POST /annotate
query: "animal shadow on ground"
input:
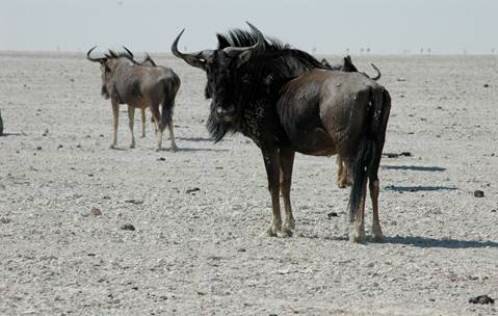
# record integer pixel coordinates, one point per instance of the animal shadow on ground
(426, 242)
(418, 188)
(196, 139)
(13, 134)
(415, 168)
(190, 149)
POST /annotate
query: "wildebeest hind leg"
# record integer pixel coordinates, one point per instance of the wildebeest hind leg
(374, 194)
(272, 167)
(143, 122)
(286, 163)
(131, 117)
(159, 129)
(115, 122)
(172, 136)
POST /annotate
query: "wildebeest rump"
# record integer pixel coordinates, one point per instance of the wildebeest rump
(344, 176)
(285, 101)
(126, 82)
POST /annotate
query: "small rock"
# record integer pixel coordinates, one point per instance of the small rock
(106, 197)
(478, 194)
(39, 148)
(241, 250)
(401, 79)
(95, 211)
(60, 147)
(5, 220)
(91, 254)
(481, 299)
(134, 288)
(493, 211)
(192, 190)
(161, 159)
(486, 85)
(45, 133)
(332, 214)
(78, 146)
(129, 227)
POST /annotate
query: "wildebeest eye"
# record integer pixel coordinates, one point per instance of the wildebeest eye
(246, 79)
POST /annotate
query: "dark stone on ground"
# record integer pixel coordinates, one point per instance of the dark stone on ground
(129, 227)
(478, 193)
(481, 299)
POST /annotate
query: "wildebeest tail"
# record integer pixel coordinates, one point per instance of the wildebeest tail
(367, 161)
(171, 86)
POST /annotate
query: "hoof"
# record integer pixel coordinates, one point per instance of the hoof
(174, 149)
(270, 233)
(357, 237)
(132, 146)
(285, 232)
(378, 236)
(113, 146)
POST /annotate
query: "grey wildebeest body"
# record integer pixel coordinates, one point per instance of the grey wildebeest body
(286, 102)
(344, 175)
(139, 86)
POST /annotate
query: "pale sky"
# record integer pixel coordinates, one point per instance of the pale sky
(384, 26)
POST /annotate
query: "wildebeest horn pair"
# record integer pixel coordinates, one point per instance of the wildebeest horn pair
(199, 59)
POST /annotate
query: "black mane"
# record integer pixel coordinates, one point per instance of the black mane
(260, 79)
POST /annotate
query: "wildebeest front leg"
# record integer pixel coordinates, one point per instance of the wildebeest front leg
(115, 122)
(286, 163)
(131, 117)
(271, 159)
(143, 122)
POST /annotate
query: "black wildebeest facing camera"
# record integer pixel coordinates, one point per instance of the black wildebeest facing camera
(140, 85)
(286, 102)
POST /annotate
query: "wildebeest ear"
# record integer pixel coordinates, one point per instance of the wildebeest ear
(222, 41)
(244, 57)
(348, 65)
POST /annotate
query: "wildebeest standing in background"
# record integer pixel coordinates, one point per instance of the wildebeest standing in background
(344, 176)
(281, 99)
(139, 86)
(1, 124)
(148, 61)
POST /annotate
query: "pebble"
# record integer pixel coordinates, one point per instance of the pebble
(129, 227)
(95, 211)
(481, 299)
(332, 214)
(192, 190)
(478, 194)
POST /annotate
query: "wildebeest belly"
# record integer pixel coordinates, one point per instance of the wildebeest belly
(316, 142)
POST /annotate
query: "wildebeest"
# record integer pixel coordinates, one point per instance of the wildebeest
(286, 102)
(1, 124)
(140, 86)
(344, 176)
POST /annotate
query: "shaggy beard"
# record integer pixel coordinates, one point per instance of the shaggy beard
(218, 128)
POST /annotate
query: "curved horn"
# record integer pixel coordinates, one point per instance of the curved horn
(128, 51)
(377, 77)
(259, 43)
(197, 59)
(98, 60)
